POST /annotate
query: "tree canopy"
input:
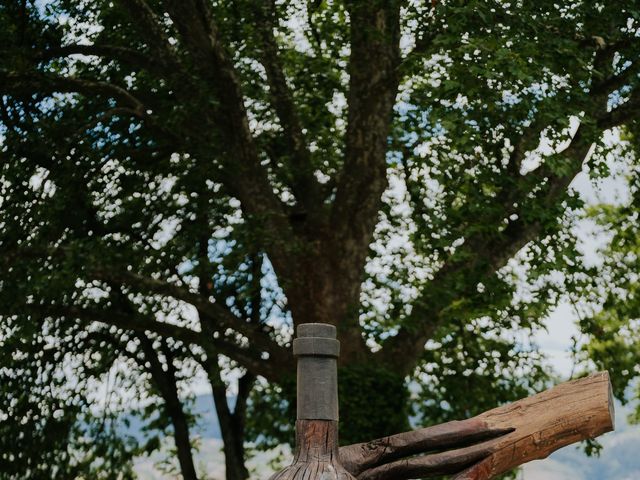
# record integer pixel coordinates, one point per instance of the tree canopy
(183, 182)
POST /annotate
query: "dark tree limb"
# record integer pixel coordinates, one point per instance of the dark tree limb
(13, 82)
(116, 52)
(165, 381)
(233, 437)
(245, 385)
(117, 319)
(246, 357)
(304, 184)
(373, 83)
(150, 26)
(215, 318)
(494, 442)
(239, 416)
(34, 82)
(624, 113)
(219, 316)
(245, 176)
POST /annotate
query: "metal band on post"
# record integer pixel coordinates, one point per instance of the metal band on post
(317, 351)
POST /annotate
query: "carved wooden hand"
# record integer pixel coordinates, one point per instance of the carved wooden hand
(494, 442)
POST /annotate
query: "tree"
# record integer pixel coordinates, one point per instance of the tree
(610, 322)
(206, 175)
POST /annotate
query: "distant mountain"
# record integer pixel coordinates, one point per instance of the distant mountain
(208, 426)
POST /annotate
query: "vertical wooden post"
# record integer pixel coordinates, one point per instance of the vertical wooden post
(316, 457)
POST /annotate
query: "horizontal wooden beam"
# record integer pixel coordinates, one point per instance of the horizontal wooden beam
(494, 442)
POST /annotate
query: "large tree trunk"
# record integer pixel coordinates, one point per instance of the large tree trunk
(323, 273)
(326, 289)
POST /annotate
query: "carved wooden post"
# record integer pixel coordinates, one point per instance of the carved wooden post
(478, 448)
(316, 454)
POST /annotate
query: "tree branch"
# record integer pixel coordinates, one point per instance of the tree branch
(488, 255)
(13, 82)
(247, 177)
(215, 317)
(628, 111)
(150, 25)
(373, 83)
(114, 318)
(124, 54)
(489, 252)
(244, 356)
(165, 381)
(304, 185)
(219, 317)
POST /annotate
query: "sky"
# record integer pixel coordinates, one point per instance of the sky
(619, 460)
(561, 327)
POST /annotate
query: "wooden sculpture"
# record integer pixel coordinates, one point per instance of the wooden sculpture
(478, 448)
(317, 455)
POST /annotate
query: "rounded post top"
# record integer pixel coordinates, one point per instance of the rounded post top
(318, 330)
(316, 340)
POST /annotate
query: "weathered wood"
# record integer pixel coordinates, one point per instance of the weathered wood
(493, 442)
(316, 453)
(379, 455)
(479, 448)
(316, 457)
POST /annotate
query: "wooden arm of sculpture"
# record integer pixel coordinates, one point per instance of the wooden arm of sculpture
(494, 442)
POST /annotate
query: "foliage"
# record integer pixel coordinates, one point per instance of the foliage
(48, 427)
(386, 395)
(611, 327)
(273, 413)
(209, 174)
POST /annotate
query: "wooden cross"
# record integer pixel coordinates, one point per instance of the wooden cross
(478, 448)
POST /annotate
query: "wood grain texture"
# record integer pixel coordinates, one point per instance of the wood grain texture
(316, 454)
(494, 442)
(451, 435)
(569, 413)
